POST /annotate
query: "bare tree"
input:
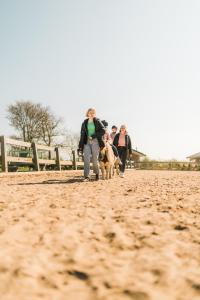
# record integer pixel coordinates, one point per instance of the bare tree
(34, 122)
(25, 117)
(50, 126)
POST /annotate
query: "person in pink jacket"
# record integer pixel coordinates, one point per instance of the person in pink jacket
(122, 141)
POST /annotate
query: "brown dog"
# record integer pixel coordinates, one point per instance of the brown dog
(116, 165)
(107, 161)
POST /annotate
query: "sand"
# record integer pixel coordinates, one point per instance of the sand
(136, 237)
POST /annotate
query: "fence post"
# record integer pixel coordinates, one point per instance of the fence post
(3, 154)
(35, 157)
(58, 165)
(74, 165)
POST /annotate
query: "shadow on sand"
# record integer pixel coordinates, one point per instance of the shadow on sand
(55, 181)
(52, 181)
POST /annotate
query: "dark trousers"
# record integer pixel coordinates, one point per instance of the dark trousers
(123, 155)
(115, 150)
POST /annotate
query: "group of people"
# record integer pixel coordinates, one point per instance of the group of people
(94, 134)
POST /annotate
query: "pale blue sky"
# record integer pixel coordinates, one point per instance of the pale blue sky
(136, 62)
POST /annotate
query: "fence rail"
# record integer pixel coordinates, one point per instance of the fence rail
(31, 156)
(167, 165)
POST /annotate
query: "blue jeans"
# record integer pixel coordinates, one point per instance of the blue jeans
(91, 149)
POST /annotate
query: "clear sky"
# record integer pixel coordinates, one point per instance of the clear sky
(136, 61)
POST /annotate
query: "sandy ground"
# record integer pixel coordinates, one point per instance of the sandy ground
(136, 237)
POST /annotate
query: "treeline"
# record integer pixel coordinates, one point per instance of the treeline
(36, 123)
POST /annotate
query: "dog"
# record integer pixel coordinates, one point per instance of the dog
(107, 161)
(116, 165)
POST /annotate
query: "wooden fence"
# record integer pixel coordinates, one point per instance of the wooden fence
(15, 153)
(166, 165)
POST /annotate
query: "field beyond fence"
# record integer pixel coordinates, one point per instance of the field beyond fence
(167, 165)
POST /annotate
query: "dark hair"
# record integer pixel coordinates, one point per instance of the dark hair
(114, 127)
(104, 123)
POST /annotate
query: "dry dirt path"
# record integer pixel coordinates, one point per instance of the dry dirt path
(136, 237)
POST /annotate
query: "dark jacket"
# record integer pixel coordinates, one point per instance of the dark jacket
(127, 142)
(99, 132)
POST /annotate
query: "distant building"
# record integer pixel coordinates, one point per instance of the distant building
(195, 158)
(136, 155)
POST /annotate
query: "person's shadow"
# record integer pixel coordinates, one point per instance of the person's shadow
(53, 181)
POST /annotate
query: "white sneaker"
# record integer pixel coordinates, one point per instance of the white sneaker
(121, 175)
(86, 179)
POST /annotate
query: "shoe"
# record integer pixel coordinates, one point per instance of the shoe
(86, 179)
(97, 177)
(121, 175)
